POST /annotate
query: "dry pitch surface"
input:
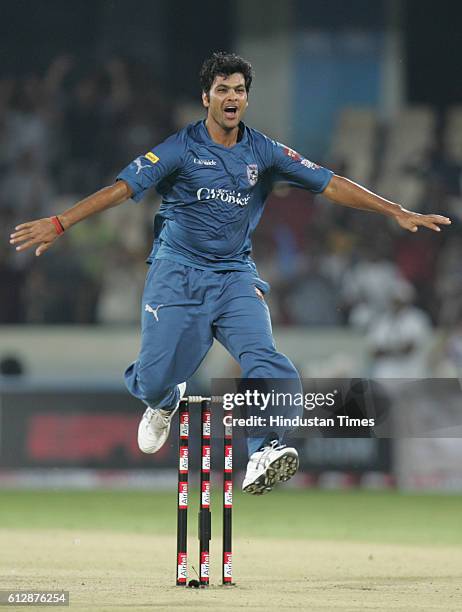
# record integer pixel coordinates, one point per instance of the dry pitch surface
(119, 571)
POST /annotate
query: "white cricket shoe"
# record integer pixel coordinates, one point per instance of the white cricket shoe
(274, 463)
(154, 427)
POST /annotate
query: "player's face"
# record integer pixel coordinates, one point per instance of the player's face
(227, 100)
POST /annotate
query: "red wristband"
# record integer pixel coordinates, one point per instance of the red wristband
(58, 225)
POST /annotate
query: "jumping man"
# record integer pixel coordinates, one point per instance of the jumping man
(214, 177)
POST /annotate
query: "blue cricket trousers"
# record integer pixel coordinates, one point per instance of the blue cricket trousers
(183, 310)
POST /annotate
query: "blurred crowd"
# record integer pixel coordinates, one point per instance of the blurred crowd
(67, 133)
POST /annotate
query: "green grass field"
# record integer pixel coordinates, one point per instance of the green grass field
(316, 550)
(382, 517)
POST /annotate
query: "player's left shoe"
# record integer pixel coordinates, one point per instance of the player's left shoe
(272, 464)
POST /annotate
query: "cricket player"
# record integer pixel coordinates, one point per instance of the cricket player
(214, 177)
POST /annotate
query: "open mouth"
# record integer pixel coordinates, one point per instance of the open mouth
(230, 111)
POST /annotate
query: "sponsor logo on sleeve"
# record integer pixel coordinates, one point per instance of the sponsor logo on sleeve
(309, 164)
(291, 153)
(152, 158)
(297, 157)
(139, 165)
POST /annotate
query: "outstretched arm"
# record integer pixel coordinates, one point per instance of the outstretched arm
(343, 191)
(45, 231)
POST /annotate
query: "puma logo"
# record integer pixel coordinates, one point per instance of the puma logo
(139, 165)
(153, 311)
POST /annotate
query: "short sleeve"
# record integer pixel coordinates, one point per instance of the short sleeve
(290, 166)
(150, 169)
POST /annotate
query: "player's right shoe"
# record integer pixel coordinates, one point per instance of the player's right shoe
(271, 464)
(155, 424)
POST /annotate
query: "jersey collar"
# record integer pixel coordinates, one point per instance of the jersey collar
(206, 136)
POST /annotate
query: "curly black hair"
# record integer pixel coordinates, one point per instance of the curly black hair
(224, 64)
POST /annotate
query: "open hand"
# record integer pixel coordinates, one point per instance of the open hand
(42, 232)
(411, 221)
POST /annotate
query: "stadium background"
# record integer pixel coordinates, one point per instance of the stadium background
(370, 89)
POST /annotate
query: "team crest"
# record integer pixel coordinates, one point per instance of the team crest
(252, 174)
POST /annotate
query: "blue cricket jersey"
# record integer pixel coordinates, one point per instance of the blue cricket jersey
(213, 196)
